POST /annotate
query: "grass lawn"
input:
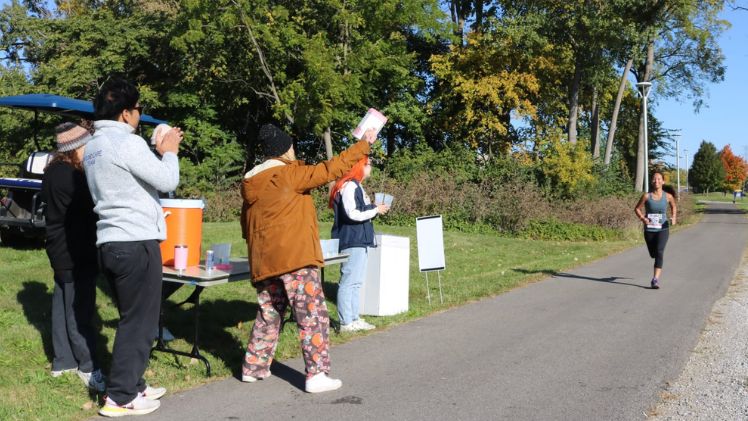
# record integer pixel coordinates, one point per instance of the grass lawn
(742, 203)
(477, 266)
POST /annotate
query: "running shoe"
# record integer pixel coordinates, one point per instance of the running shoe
(655, 283)
(138, 406)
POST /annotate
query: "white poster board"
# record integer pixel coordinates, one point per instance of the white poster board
(430, 236)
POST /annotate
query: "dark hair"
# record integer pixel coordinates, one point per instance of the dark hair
(667, 188)
(116, 95)
(69, 157)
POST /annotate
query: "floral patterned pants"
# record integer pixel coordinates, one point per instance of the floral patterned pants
(302, 290)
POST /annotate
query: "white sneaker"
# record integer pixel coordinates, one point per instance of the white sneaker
(361, 324)
(153, 393)
(93, 380)
(252, 379)
(138, 406)
(350, 327)
(322, 383)
(58, 373)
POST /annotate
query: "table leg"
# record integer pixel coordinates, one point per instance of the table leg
(195, 353)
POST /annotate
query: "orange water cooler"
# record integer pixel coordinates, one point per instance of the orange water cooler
(184, 226)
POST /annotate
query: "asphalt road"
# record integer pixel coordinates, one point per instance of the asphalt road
(592, 344)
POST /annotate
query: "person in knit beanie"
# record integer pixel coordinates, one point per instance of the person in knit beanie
(279, 222)
(71, 137)
(275, 142)
(71, 248)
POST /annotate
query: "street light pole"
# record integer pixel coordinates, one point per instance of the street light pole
(677, 164)
(645, 89)
(685, 154)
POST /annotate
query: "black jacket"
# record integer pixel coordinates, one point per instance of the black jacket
(70, 217)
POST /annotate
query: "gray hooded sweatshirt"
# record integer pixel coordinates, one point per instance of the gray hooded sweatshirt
(124, 177)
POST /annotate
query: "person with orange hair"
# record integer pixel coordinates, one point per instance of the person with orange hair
(355, 231)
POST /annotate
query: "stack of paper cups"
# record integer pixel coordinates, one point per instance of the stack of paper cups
(372, 120)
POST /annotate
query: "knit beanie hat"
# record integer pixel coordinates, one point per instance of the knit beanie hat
(70, 136)
(275, 142)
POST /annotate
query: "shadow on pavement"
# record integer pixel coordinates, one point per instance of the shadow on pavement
(556, 274)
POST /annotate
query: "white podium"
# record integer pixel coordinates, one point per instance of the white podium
(385, 291)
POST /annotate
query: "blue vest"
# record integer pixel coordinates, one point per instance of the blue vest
(352, 233)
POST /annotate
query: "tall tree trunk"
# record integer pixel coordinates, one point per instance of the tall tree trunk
(642, 162)
(327, 136)
(574, 100)
(616, 110)
(595, 125)
(391, 141)
(478, 15)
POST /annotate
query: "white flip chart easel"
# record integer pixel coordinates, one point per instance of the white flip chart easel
(430, 236)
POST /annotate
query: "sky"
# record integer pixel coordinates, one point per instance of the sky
(720, 120)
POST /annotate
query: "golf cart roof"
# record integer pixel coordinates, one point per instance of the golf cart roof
(60, 105)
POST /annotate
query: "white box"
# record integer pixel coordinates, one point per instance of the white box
(385, 291)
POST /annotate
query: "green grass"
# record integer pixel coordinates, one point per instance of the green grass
(742, 203)
(477, 266)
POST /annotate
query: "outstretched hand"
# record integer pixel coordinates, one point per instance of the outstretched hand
(370, 136)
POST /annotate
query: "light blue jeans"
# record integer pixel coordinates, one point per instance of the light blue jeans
(352, 276)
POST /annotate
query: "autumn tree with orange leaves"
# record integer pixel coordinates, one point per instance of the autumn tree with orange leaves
(736, 169)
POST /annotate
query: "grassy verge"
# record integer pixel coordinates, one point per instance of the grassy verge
(477, 266)
(741, 203)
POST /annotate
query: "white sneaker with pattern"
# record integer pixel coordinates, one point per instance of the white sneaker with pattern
(138, 406)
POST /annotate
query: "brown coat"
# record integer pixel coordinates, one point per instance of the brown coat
(279, 220)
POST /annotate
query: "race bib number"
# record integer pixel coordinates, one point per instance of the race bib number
(655, 220)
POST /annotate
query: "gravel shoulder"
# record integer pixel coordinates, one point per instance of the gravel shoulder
(714, 382)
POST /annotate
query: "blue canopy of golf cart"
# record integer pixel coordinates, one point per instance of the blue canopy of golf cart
(60, 105)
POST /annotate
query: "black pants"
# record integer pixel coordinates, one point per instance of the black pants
(656, 242)
(135, 274)
(73, 307)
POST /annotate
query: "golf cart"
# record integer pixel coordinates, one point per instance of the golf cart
(21, 206)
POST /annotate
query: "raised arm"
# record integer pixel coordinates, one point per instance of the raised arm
(309, 177)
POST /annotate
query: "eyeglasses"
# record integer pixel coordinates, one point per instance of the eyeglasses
(139, 108)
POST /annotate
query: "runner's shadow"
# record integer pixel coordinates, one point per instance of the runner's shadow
(556, 274)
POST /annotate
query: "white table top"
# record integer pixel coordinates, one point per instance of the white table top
(197, 275)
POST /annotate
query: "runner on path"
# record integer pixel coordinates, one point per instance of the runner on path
(656, 225)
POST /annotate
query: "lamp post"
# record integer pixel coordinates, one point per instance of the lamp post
(677, 162)
(685, 155)
(645, 88)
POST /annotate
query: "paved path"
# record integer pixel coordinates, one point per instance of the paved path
(595, 343)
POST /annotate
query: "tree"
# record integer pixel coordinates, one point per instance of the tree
(706, 173)
(736, 169)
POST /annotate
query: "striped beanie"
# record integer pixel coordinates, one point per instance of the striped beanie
(70, 136)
